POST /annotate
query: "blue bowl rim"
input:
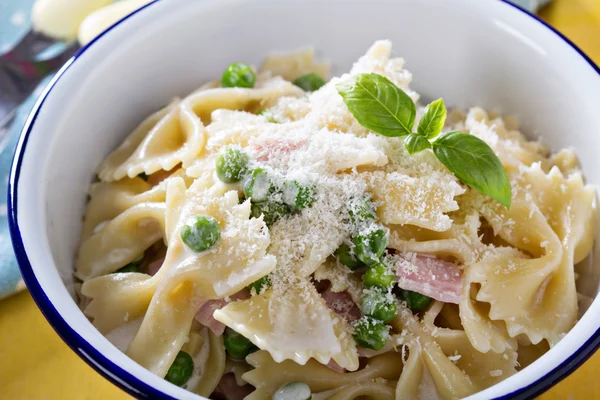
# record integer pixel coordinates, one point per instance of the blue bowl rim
(123, 378)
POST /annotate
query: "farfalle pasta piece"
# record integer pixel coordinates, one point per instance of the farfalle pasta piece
(442, 362)
(209, 357)
(484, 334)
(238, 259)
(506, 267)
(121, 241)
(172, 136)
(565, 160)
(263, 95)
(461, 241)
(268, 375)
(304, 241)
(407, 200)
(377, 60)
(293, 65)
(551, 219)
(299, 316)
(109, 199)
(116, 298)
(484, 370)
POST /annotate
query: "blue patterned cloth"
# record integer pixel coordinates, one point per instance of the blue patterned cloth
(14, 24)
(10, 278)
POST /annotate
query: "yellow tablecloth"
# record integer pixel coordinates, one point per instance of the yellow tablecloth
(36, 364)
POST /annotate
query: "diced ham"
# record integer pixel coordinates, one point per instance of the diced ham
(268, 148)
(336, 367)
(430, 276)
(342, 304)
(229, 389)
(205, 316)
(155, 265)
(206, 311)
(160, 176)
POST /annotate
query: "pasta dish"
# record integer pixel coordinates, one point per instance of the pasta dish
(278, 235)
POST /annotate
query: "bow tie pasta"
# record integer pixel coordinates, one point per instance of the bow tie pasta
(254, 240)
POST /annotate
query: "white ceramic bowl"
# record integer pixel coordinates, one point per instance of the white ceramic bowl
(470, 52)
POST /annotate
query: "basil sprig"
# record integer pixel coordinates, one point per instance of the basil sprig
(379, 105)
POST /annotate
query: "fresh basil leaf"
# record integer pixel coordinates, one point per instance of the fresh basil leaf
(378, 104)
(433, 120)
(415, 143)
(472, 161)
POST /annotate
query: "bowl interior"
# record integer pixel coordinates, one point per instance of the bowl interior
(470, 53)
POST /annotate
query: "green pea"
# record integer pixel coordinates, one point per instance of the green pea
(181, 370)
(143, 176)
(309, 82)
(133, 266)
(268, 116)
(377, 304)
(346, 256)
(417, 302)
(231, 164)
(378, 275)
(297, 196)
(201, 233)
(237, 346)
(260, 285)
(272, 211)
(258, 185)
(361, 209)
(293, 391)
(238, 74)
(369, 245)
(371, 333)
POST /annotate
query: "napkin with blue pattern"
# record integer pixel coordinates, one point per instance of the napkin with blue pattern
(14, 23)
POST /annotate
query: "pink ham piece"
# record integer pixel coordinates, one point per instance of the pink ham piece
(206, 310)
(155, 265)
(160, 176)
(268, 148)
(342, 304)
(430, 276)
(229, 389)
(336, 367)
